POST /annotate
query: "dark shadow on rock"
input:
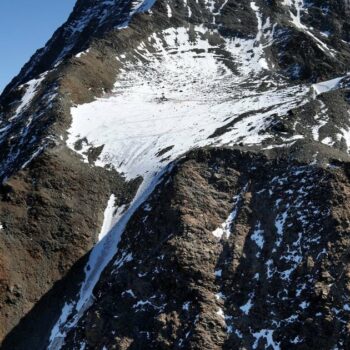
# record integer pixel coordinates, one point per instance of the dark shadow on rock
(34, 329)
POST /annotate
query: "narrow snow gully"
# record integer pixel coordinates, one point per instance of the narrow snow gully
(100, 256)
(299, 7)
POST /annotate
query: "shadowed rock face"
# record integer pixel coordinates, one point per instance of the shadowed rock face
(243, 243)
(48, 223)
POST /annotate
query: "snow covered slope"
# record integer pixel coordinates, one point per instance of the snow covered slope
(129, 88)
(173, 98)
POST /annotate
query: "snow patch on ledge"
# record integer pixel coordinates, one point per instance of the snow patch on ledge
(329, 85)
(225, 228)
(266, 334)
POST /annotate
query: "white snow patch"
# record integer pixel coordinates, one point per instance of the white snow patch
(267, 334)
(108, 218)
(218, 273)
(57, 337)
(247, 306)
(296, 340)
(327, 86)
(130, 292)
(225, 228)
(220, 296)
(257, 236)
(304, 305)
(321, 118)
(82, 53)
(279, 224)
(220, 312)
(169, 11)
(186, 306)
(31, 88)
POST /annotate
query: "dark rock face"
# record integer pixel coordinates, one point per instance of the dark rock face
(238, 247)
(48, 224)
(275, 275)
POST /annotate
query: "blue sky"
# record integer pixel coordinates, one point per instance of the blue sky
(25, 26)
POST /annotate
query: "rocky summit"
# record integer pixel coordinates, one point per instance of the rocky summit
(175, 175)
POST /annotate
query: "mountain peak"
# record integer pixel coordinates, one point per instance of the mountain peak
(178, 171)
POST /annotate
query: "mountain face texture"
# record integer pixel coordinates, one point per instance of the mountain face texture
(175, 174)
